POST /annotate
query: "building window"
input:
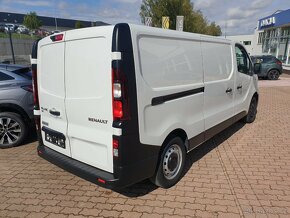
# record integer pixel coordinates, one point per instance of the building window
(261, 37)
(247, 42)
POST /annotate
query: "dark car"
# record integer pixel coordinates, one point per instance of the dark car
(16, 104)
(271, 67)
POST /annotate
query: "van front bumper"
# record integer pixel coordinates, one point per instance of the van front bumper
(127, 175)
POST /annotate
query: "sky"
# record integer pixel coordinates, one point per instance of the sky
(233, 16)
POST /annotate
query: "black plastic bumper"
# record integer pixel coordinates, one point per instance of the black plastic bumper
(78, 168)
(127, 175)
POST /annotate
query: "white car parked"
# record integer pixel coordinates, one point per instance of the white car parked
(119, 104)
(10, 27)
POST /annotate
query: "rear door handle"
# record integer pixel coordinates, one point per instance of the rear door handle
(54, 113)
(229, 90)
(239, 87)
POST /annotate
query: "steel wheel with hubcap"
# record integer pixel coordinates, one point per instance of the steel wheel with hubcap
(273, 75)
(12, 130)
(171, 163)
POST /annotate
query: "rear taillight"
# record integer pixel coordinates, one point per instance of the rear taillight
(119, 95)
(118, 109)
(35, 89)
(28, 88)
(278, 62)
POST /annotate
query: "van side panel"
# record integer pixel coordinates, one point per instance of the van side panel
(52, 91)
(89, 98)
(170, 86)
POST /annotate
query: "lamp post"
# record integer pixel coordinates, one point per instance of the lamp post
(11, 45)
(55, 23)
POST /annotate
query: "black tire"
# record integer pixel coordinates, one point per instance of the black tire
(252, 112)
(273, 74)
(171, 164)
(13, 130)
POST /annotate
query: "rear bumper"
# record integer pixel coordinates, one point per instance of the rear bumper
(78, 168)
(128, 175)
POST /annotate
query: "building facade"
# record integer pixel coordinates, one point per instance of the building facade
(48, 23)
(272, 36)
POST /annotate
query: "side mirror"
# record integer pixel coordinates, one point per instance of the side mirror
(257, 68)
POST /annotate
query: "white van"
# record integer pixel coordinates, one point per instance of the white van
(119, 104)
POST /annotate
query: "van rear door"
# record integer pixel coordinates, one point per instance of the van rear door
(89, 95)
(52, 95)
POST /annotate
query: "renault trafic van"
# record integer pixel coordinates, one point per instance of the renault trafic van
(119, 104)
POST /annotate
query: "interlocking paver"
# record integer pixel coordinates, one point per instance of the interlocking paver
(242, 172)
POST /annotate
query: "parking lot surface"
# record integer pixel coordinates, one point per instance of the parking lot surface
(242, 172)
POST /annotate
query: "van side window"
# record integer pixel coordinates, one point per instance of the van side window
(243, 61)
(4, 77)
(217, 67)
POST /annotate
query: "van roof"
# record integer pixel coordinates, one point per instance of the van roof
(141, 29)
(175, 33)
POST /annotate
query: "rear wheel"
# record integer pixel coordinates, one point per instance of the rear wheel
(171, 164)
(252, 112)
(273, 74)
(12, 130)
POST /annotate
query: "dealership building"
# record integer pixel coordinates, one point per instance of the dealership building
(271, 36)
(48, 23)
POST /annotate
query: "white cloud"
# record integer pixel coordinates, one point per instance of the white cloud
(239, 13)
(260, 4)
(204, 4)
(62, 5)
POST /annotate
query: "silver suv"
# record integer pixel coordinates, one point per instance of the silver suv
(16, 104)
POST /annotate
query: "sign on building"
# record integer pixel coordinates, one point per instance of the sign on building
(268, 22)
(148, 21)
(179, 23)
(165, 22)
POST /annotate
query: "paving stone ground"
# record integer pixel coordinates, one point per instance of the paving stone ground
(242, 172)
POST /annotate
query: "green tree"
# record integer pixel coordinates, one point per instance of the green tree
(194, 21)
(79, 25)
(214, 30)
(31, 21)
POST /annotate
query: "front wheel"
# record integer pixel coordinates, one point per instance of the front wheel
(252, 112)
(171, 164)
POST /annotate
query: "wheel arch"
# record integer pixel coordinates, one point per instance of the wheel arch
(14, 108)
(274, 69)
(175, 133)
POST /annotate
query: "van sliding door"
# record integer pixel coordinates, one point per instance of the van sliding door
(219, 85)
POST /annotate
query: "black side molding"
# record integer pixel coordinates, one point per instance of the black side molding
(164, 98)
(211, 132)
